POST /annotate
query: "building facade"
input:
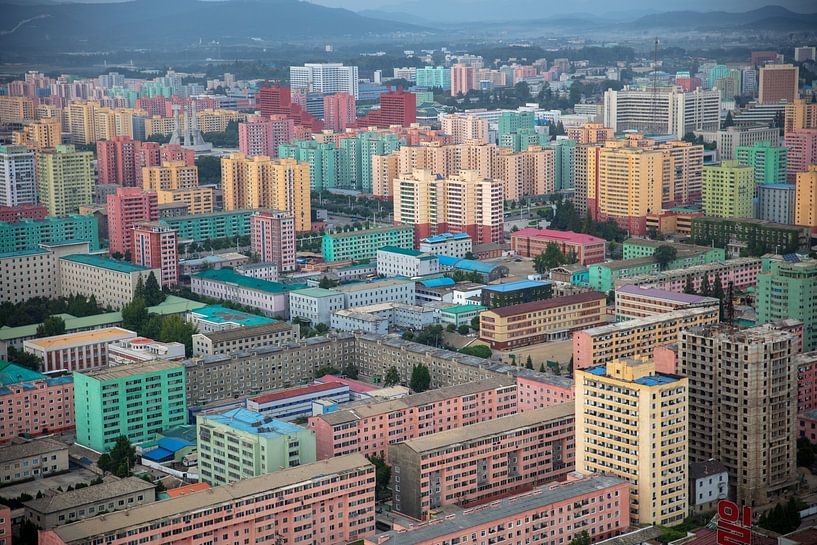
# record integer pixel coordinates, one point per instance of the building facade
(127, 207)
(789, 290)
(111, 282)
(272, 238)
(65, 179)
(33, 404)
(587, 249)
(360, 245)
(18, 181)
(155, 247)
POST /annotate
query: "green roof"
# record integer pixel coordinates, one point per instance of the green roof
(232, 277)
(403, 251)
(462, 309)
(175, 305)
(11, 373)
(105, 263)
(316, 292)
(22, 253)
(219, 314)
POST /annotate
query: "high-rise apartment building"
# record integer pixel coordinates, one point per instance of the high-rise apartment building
(463, 128)
(800, 114)
(260, 182)
(802, 151)
(262, 136)
(527, 173)
(742, 406)
(467, 203)
(154, 246)
(728, 140)
(669, 111)
(43, 134)
(622, 429)
(18, 182)
(776, 203)
(339, 111)
(728, 190)
(787, 288)
(326, 78)
(462, 79)
(591, 133)
(136, 400)
(178, 182)
(15, 109)
(82, 121)
(65, 179)
(432, 77)
(116, 161)
(769, 163)
(396, 108)
(272, 237)
(805, 198)
(778, 82)
(127, 207)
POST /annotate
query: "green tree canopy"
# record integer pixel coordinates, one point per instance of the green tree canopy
(121, 458)
(392, 377)
(665, 255)
(53, 325)
(176, 329)
(153, 292)
(478, 350)
(134, 314)
(420, 378)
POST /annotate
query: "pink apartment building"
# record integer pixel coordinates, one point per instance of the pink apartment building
(175, 152)
(262, 136)
(741, 272)
(482, 462)
(154, 247)
(127, 207)
(272, 237)
(329, 502)
(802, 146)
(538, 390)
(148, 155)
(596, 504)
(462, 79)
(116, 161)
(35, 405)
(806, 381)
(339, 112)
(5, 525)
(531, 242)
(370, 427)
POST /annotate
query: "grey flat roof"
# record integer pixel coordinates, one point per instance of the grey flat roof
(30, 448)
(245, 332)
(102, 492)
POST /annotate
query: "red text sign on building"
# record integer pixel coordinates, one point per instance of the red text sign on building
(734, 524)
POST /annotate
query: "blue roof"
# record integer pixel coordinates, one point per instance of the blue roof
(158, 455)
(173, 444)
(438, 282)
(222, 315)
(467, 264)
(11, 373)
(513, 286)
(442, 237)
(655, 380)
(253, 422)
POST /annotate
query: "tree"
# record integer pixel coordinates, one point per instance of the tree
(420, 378)
(176, 329)
(351, 371)
(665, 255)
(706, 291)
(392, 377)
(134, 314)
(53, 325)
(23, 358)
(139, 291)
(582, 539)
(408, 335)
(475, 323)
(321, 328)
(451, 328)
(529, 363)
(327, 283)
(153, 293)
(728, 122)
(326, 370)
(120, 460)
(541, 367)
(717, 288)
(689, 288)
(463, 329)
(382, 474)
(478, 350)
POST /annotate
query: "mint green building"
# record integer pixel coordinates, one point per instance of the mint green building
(211, 226)
(603, 276)
(460, 314)
(358, 245)
(728, 190)
(323, 159)
(434, 76)
(768, 162)
(137, 400)
(517, 131)
(28, 234)
(240, 444)
(788, 289)
(564, 152)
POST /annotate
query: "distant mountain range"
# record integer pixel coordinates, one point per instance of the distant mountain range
(163, 23)
(767, 17)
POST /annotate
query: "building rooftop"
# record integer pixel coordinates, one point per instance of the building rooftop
(375, 284)
(438, 282)
(218, 314)
(132, 369)
(553, 234)
(108, 489)
(673, 273)
(699, 470)
(754, 221)
(366, 409)
(370, 231)
(94, 336)
(212, 259)
(229, 276)
(401, 251)
(246, 332)
(646, 321)
(646, 380)
(315, 292)
(666, 295)
(252, 422)
(16, 451)
(186, 489)
(294, 392)
(482, 267)
(265, 484)
(498, 426)
(513, 286)
(22, 253)
(105, 263)
(11, 373)
(443, 237)
(463, 309)
(534, 306)
(462, 522)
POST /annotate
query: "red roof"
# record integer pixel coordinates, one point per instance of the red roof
(187, 489)
(522, 308)
(552, 234)
(354, 385)
(266, 398)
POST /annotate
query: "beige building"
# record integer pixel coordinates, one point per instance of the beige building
(742, 406)
(800, 114)
(34, 273)
(217, 120)
(463, 127)
(32, 460)
(175, 182)
(159, 125)
(524, 174)
(591, 133)
(44, 134)
(65, 179)
(245, 338)
(112, 282)
(16, 109)
(82, 121)
(622, 430)
(113, 494)
(805, 198)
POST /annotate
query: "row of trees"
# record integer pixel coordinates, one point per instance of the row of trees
(552, 257)
(420, 380)
(567, 218)
(165, 329)
(37, 309)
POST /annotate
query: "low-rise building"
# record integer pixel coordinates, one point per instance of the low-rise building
(542, 321)
(356, 320)
(594, 504)
(450, 244)
(272, 298)
(32, 404)
(297, 402)
(111, 495)
(140, 349)
(634, 302)
(261, 270)
(81, 351)
(245, 338)
(232, 260)
(394, 261)
(586, 249)
(599, 345)
(741, 273)
(26, 274)
(315, 305)
(487, 271)
(537, 390)
(381, 317)
(342, 487)
(454, 467)
(765, 235)
(32, 460)
(112, 282)
(369, 427)
(241, 444)
(359, 245)
(218, 318)
(460, 314)
(708, 484)
(389, 290)
(515, 293)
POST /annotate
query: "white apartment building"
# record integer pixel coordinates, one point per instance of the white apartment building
(382, 291)
(80, 351)
(17, 179)
(668, 110)
(327, 78)
(393, 261)
(112, 282)
(315, 305)
(379, 318)
(450, 244)
(730, 138)
(34, 273)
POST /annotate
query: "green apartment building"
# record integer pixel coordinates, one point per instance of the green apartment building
(728, 190)
(768, 162)
(787, 288)
(215, 225)
(65, 179)
(564, 152)
(136, 400)
(28, 234)
(240, 444)
(357, 245)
